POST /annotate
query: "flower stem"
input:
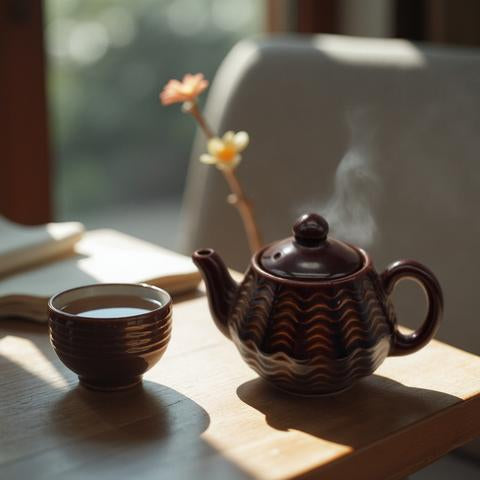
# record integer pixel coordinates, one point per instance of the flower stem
(197, 115)
(244, 208)
(238, 198)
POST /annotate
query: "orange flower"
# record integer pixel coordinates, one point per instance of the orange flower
(185, 91)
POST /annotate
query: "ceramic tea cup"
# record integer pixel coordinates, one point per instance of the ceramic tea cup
(110, 334)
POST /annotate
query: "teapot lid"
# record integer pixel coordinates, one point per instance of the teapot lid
(310, 253)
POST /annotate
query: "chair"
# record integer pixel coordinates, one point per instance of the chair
(381, 136)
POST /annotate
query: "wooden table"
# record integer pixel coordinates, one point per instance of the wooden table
(203, 414)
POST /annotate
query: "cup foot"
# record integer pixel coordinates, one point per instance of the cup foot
(108, 385)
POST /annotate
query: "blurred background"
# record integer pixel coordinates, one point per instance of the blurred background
(108, 60)
(100, 147)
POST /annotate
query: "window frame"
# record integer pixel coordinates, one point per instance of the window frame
(25, 174)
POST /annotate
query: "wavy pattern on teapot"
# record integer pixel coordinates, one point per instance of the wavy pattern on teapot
(326, 327)
(346, 316)
(346, 322)
(314, 377)
(338, 365)
(283, 370)
(353, 343)
(320, 330)
(252, 310)
(271, 320)
(351, 301)
(317, 297)
(324, 348)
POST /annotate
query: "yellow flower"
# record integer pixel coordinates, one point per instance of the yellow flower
(225, 152)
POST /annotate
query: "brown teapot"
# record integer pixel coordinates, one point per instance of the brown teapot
(312, 315)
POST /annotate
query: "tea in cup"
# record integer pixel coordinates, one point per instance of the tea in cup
(110, 334)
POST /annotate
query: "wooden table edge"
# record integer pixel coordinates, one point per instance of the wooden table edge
(385, 459)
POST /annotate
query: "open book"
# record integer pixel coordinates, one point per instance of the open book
(22, 246)
(101, 256)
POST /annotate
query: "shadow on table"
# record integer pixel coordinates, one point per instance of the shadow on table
(385, 404)
(52, 427)
(131, 417)
(151, 430)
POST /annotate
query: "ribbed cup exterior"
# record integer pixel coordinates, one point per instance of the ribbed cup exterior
(110, 353)
(312, 338)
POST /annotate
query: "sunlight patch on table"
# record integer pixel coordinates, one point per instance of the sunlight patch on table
(294, 452)
(31, 360)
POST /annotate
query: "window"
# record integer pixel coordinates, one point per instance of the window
(121, 158)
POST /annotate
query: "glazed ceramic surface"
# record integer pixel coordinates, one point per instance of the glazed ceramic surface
(110, 353)
(312, 315)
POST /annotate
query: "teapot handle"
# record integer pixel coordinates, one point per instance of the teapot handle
(410, 269)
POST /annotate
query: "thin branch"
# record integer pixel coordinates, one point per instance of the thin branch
(238, 197)
(192, 108)
(245, 209)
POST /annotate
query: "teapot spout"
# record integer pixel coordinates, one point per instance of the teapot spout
(221, 287)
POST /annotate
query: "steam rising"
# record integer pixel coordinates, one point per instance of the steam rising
(349, 210)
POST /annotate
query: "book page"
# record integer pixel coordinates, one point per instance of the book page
(103, 256)
(22, 246)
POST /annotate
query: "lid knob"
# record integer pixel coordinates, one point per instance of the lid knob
(310, 230)
(310, 254)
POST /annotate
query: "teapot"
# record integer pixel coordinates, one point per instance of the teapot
(312, 315)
